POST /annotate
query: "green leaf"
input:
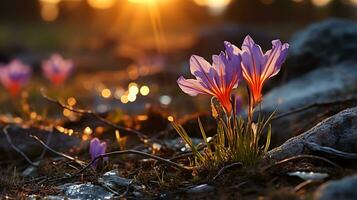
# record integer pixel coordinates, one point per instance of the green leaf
(267, 144)
(181, 131)
(203, 133)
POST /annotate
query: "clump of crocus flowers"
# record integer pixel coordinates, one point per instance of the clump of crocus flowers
(97, 148)
(14, 76)
(236, 139)
(57, 69)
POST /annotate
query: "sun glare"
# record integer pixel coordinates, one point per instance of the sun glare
(215, 6)
(101, 4)
(145, 1)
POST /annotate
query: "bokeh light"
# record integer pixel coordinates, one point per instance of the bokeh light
(49, 12)
(71, 101)
(148, 2)
(101, 4)
(216, 7)
(165, 100)
(131, 97)
(50, 1)
(87, 130)
(133, 89)
(170, 118)
(106, 93)
(66, 112)
(320, 3)
(144, 90)
(118, 93)
(124, 99)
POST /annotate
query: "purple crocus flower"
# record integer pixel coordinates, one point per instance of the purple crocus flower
(256, 66)
(57, 69)
(217, 79)
(96, 149)
(14, 75)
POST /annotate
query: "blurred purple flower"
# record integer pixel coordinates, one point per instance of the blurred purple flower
(57, 69)
(256, 66)
(217, 79)
(14, 75)
(96, 149)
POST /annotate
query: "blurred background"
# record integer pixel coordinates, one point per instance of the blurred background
(128, 54)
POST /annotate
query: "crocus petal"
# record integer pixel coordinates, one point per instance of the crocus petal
(218, 71)
(93, 148)
(276, 57)
(231, 49)
(282, 57)
(103, 150)
(217, 79)
(96, 149)
(232, 60)
(191, 87)
(201, 69)
(197, 63)
(258, 67)
(252, 56)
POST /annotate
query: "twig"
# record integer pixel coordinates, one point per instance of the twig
(331, 151)
(16, 148)
(220, 172)
(183, 155)
(167, 161)
(95, 115)
(317, 104)
(300, 157)
(82, 163)
(35, 179)
(47, 143)
(304, 184)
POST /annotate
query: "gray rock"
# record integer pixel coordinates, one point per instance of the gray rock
(86, 191)
(50, 197)
(344, 189)
(201, 189)
(338, 132)
(324, 85)
(20, 137)
(322, 44)
(31, 171)
(119, 185)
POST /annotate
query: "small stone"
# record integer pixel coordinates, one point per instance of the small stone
(333, 84)
(113, 181)
(344, 189)
(200, 189)
(338, 132)
(20, 137)
(309, 175)
(50, 197)
(30, 171)
(86, 191)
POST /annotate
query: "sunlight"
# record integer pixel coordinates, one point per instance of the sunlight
(50, 1)
(101, 4)
(49, 9)
(49, 12)
(143, 16)
(216, 7)
(147, 2)
(320, 3)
